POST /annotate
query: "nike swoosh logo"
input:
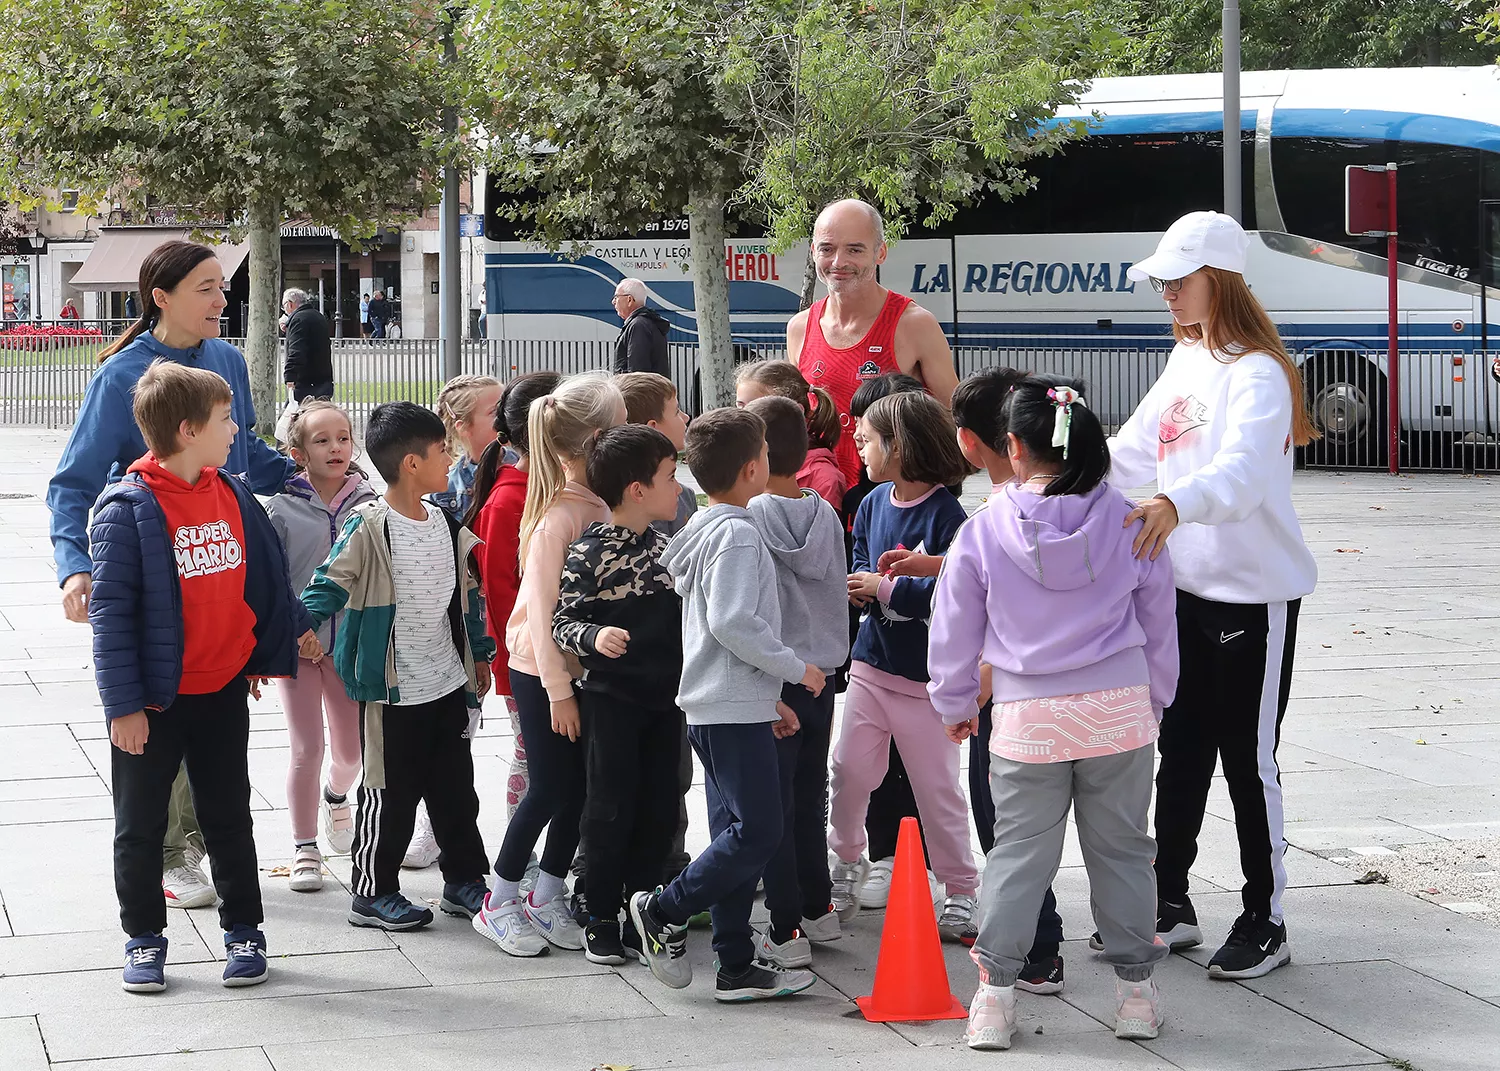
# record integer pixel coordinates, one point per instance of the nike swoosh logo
(1267, 946)
(1225, 637)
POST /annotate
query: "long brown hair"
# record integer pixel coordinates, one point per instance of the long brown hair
(784, 379)
(163, 269)
(1237, 325)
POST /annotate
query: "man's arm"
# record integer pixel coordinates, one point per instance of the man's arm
(922, 351)
(796, 331)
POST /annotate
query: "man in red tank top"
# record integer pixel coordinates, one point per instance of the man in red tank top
(861, 330)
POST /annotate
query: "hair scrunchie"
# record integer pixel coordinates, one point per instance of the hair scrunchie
(1064, 398)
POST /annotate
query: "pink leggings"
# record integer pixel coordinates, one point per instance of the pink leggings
(317, 690)
(873, 714)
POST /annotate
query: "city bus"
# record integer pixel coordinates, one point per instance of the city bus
(1045, 273)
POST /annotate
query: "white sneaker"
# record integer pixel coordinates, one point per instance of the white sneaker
(554, 922)
(823, 929)
(789, 954)
(1138, 1014)
(338, 824)
(992, 1017)
(423, 850)
(957, 919)
(876, 891)
(848, 879)
(507, 926)
(307, 870)
(187, 886)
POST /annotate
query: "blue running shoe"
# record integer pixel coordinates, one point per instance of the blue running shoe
(244, 956)
(389, 912)
(464, 900)
(145, 964)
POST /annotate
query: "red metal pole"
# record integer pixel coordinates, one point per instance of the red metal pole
(1393, 370)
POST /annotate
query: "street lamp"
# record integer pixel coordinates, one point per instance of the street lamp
(38, 243)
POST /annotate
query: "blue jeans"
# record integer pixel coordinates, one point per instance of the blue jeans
(744, 816)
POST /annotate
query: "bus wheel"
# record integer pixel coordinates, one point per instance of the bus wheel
(1346, 398)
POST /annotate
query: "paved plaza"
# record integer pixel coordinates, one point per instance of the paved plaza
(1391, 760)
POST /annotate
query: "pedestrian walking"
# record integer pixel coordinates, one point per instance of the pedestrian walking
(309, 348)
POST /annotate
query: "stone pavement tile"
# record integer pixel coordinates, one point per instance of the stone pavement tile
(52, 788)
(1398, 1012)
(449, 952)
(1218, 859)
(298, 924)
(77, 809)
(200, 983)
(40, 751)
(21, 1043)
(722, 1037)
(197, 1060)
(5, 930)
(1429, 765)
(1219, 1026)
(153, 1025)
(94, 950)
(59, 879)
(1322, 837)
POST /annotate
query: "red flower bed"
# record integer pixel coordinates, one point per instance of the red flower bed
(24, 336)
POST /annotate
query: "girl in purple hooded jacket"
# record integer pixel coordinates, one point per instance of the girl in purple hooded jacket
(1043, 586)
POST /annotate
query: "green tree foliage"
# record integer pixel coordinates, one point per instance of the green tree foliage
(244, 110)
(1277, 34)
(915, 105)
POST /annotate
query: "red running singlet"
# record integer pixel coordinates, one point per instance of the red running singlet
(840, 372)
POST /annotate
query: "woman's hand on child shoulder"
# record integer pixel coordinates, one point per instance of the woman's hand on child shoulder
(565, 718)
(1161, 518)
(863, 587)
(129, 732)
(611, 641)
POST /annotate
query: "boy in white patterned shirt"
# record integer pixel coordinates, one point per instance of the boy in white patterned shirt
(412, 648)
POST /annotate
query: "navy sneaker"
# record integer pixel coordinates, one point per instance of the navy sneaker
(145, 964)
(464, 900)
(244, 956)
(389, 912)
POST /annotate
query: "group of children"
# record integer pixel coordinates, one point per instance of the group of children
(624, 624)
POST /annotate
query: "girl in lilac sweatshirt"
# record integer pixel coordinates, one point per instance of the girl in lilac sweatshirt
(1043, 586)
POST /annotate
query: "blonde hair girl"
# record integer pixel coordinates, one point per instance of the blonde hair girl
(467, 405)
(561, 430)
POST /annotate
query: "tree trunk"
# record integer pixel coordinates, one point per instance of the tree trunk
(809, 279)
(711, 298)
(262, 345)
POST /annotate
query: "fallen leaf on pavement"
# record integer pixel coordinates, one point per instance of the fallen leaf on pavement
(1372, 877)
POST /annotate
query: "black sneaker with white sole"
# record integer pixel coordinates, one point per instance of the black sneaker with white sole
(760, 981)
(664, 943)
(601, 943)
(630, 941)
(1044, 976)
(1177, 924)
(1256, 946)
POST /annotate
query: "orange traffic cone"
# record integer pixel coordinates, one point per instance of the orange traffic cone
(911, 979)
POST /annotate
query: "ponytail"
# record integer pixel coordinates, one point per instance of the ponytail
(823, 425)
(1051, 417)
(560, 427)
(785, 380)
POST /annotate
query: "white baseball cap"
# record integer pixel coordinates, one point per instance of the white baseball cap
(1196, 240)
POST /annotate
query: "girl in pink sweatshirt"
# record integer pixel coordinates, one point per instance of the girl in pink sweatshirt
(562, 428)
(1043, 585)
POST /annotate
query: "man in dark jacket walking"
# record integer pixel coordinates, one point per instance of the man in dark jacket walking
(309, 350)
(642, 345)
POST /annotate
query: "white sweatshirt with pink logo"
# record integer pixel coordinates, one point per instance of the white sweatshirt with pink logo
(1215, 436)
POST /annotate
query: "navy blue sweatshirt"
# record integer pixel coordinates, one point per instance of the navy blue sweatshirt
(893, 631)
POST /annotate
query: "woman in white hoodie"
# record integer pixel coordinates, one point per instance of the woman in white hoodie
(1215, 433)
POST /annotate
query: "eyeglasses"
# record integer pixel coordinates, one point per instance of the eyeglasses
(1160, 285)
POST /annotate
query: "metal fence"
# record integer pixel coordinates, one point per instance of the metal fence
(1449, 403)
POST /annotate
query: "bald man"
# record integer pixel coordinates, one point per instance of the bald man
(861, 330)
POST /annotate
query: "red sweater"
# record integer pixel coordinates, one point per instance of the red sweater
(821, 473)
(208, 539)
(499, 525)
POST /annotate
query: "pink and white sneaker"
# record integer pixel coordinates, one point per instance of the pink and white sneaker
(1138, 1012)
(992, 1017)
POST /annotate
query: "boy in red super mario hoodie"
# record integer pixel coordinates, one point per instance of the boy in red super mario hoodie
(191, 607)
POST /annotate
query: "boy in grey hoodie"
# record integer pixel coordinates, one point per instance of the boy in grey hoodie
(806, 541)
(734, 664)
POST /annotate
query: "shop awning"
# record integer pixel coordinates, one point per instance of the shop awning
(115, 261)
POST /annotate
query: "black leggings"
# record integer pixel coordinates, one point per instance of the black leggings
(555, 798)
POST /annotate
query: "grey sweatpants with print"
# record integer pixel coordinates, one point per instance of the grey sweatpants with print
(1110, 796)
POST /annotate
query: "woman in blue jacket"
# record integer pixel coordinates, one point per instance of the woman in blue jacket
(182, 297)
